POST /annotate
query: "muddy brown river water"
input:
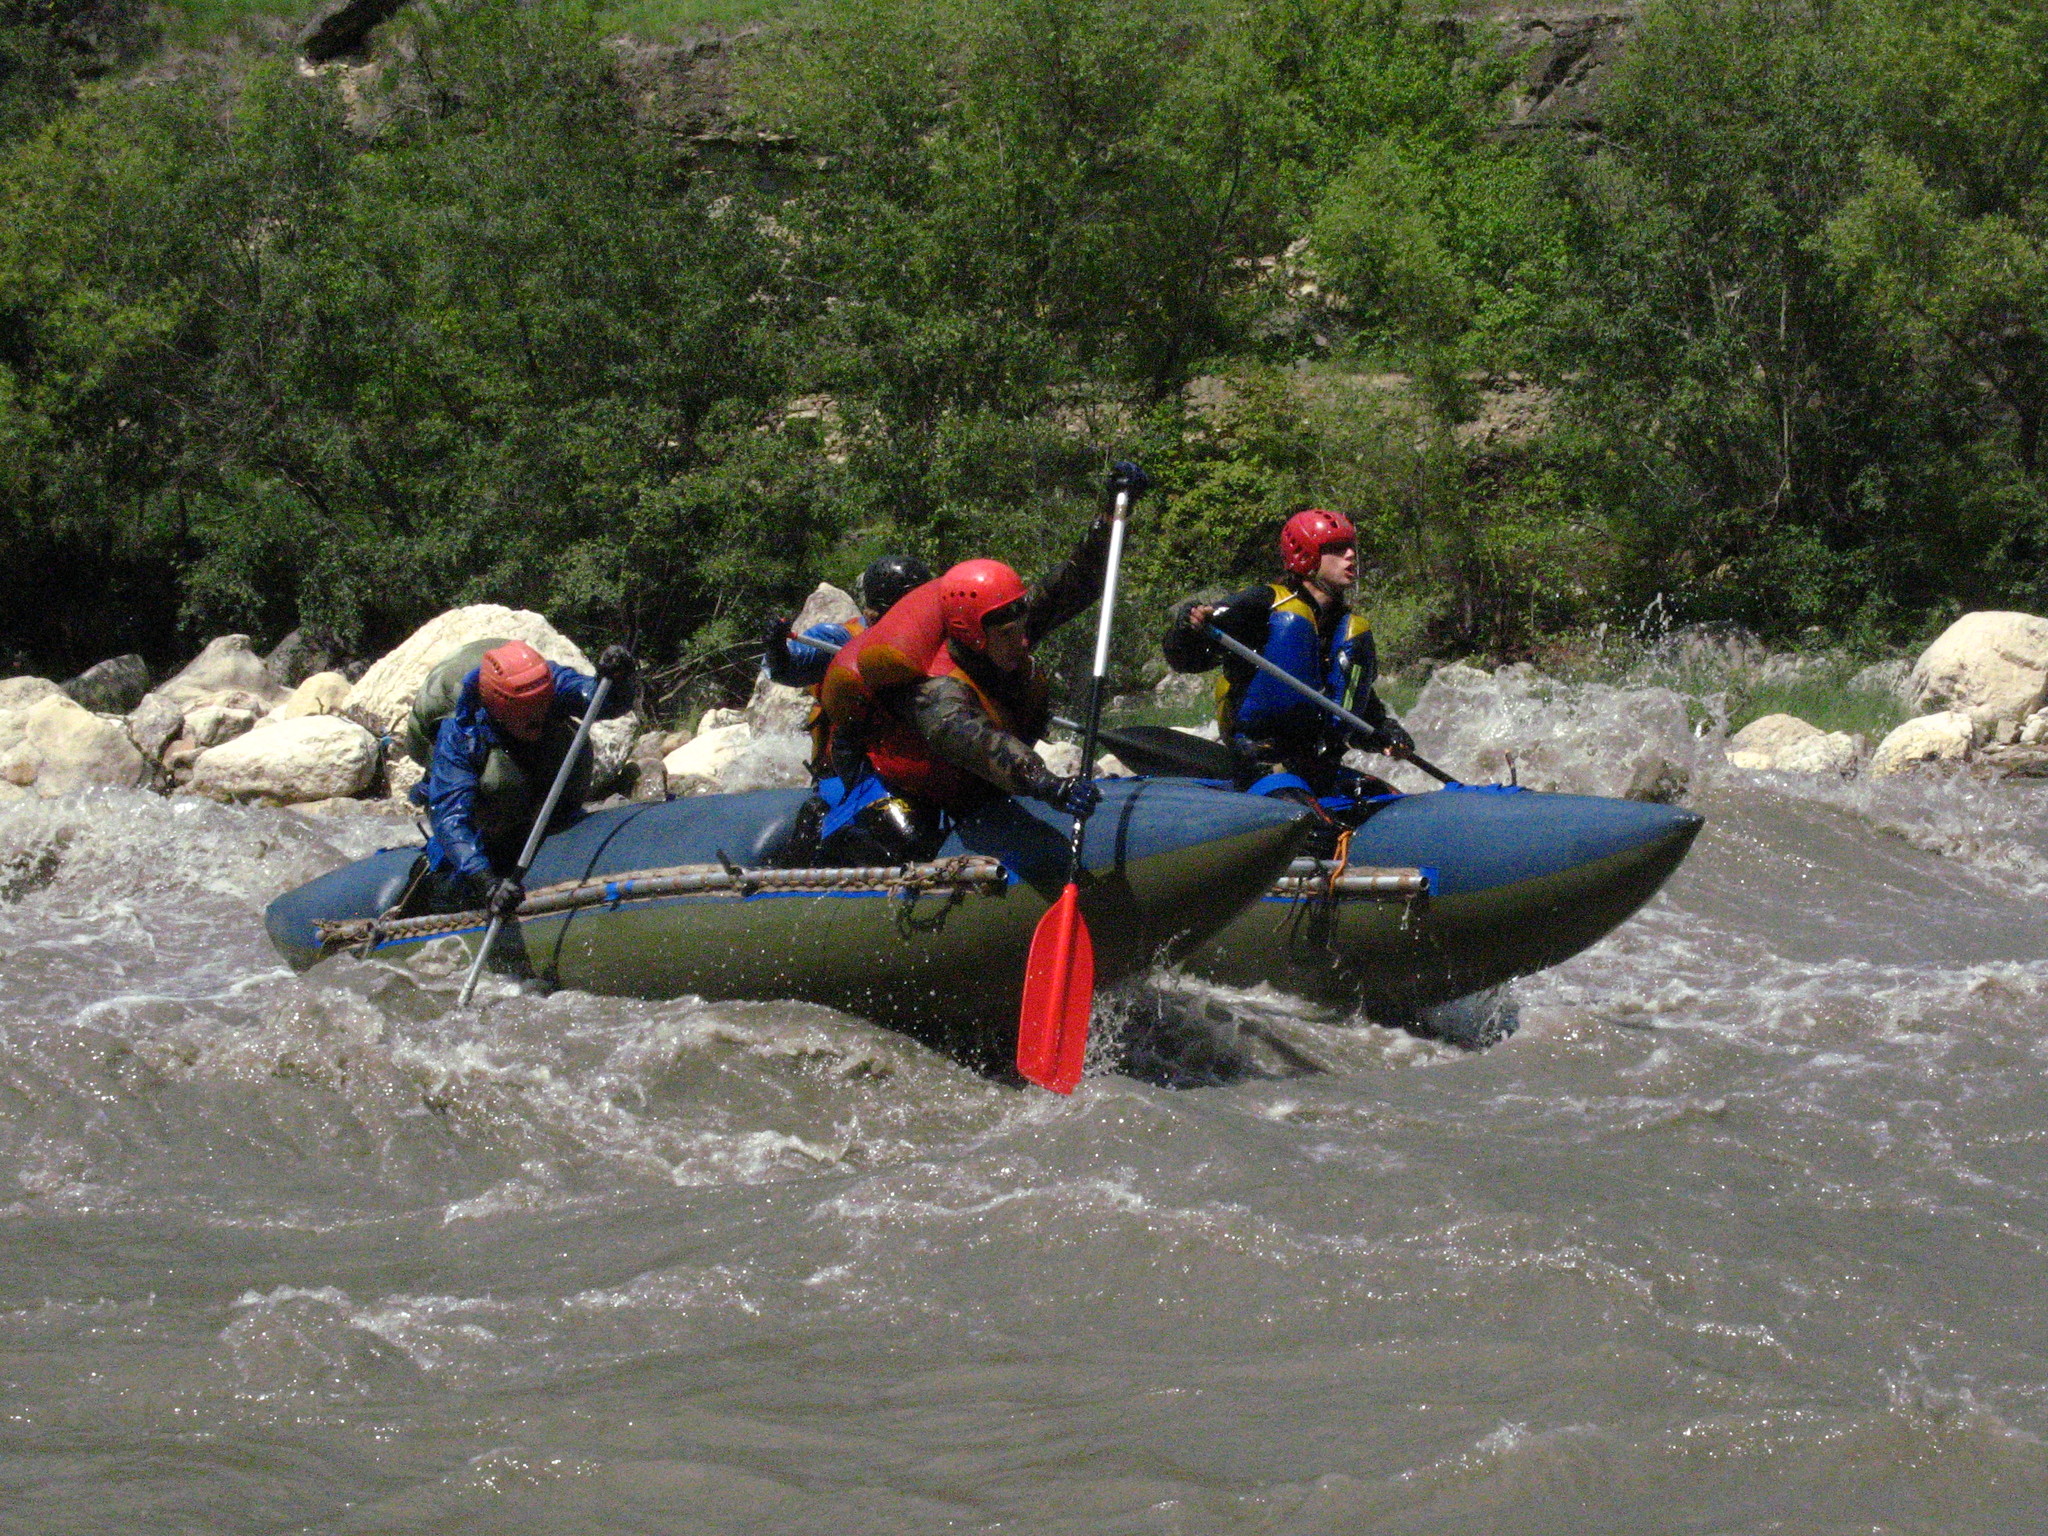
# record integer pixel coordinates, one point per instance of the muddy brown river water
(1743, 1228)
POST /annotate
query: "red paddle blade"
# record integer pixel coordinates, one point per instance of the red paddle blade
(1059, 991)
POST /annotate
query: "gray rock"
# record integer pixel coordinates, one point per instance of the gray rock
(154, 724)
(650, 779)
(302, 654)
(1889, 678)
(111, 687)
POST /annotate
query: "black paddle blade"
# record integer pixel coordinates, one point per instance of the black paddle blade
(1160, 752)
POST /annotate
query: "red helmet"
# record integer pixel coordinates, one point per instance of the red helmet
(1304, 537)
(517, 685)
(969, 593)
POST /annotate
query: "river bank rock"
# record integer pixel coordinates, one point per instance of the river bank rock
(314, 757)
(324, 693)
(1587, 738)
(111, 687)
(1990, 666)
(1788, 744)
(226, 664)
(25, 692)
(1888, 679)
(775, 710)
(211, 724)
(1939, 738)
(697, 767)
(649, 775)
(63, 747)
(154, 724)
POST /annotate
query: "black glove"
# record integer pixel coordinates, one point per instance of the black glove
(1077, 796)
(504, 897)
(616, 665)
(775, 643)
(1391, 738)
(1128, 478)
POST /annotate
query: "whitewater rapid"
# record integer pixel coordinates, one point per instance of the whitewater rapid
(1740, 1227)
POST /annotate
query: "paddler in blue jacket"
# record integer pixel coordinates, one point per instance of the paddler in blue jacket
(1284, 744)
(493, 722)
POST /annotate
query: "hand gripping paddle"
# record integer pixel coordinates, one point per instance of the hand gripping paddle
(1059, 978)
(540, 830)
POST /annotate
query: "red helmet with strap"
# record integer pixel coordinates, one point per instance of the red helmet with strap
(970, 592)
(1304, 537)
(517, 686)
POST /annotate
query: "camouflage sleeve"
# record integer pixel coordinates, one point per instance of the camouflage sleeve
(953, 724)
(1069, 587)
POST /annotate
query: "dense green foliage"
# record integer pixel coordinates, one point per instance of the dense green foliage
(279, 349)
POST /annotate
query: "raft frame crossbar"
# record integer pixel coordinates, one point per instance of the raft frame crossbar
(970, 874)
(1326, 877)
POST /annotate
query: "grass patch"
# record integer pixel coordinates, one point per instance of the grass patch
(666, 20)
(195, 23)
(1823, 702)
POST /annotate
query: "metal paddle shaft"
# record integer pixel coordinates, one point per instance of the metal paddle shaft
(1059, 978)
(540, 830)
(1288, 679)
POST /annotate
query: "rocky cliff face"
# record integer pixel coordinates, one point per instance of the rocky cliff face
(1566, 52)
(686, 87)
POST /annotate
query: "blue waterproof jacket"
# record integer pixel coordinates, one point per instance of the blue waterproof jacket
(803, 666)
(463, 744)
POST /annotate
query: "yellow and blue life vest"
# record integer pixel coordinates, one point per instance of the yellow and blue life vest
(1252, 705)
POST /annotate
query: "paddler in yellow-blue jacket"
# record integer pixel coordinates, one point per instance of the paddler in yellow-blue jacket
(1285, 745)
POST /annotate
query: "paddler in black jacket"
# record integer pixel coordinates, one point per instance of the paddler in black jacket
(1284, 744)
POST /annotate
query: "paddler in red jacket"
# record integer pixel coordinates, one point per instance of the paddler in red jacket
(935, 709)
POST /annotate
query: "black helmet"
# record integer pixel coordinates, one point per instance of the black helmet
(882, 583)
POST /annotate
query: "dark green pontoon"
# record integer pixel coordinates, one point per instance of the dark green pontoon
(1447, 893)
(1167, 863)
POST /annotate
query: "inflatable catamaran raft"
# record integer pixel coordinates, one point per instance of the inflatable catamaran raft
(685, 897)
(1438, 895)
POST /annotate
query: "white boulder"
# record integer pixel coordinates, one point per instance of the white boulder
(21, 692)
(314, 757)
(1788, 744)
(1062, 757)
(1990, 666)
(76, 749)
(696, 767)
(774, 710)
(210, 724)
(720, 719)
(324, 693)
(383, 695)
(227, 664)
(1942, 738)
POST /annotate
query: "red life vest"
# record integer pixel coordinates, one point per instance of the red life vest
(905, 647)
